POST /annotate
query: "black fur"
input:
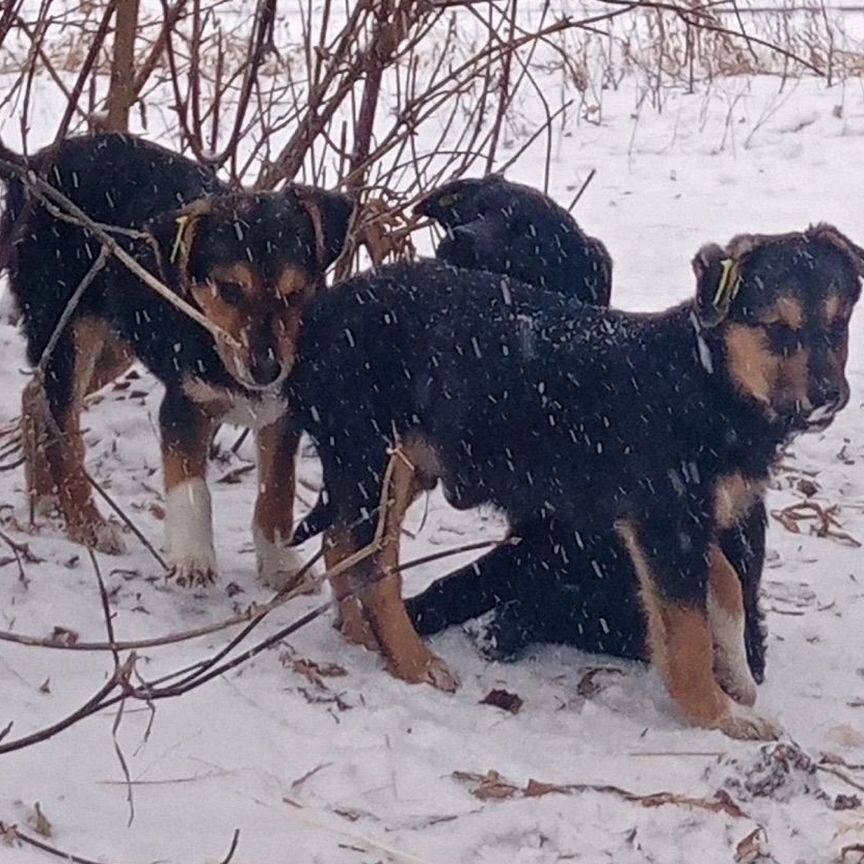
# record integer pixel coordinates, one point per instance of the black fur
(503, 227)
(494, 224)
(565, 415)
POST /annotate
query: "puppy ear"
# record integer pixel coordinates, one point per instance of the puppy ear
(832, 235)
(173, 235)
(442, 204)
(331, 214)
(717, 283)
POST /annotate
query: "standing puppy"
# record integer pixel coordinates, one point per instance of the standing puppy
(493, 388)
(247, 262)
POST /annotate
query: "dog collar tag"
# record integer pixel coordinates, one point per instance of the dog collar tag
(182, 225)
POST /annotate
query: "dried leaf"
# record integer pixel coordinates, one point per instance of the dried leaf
(588, 686)
(40, 822)
(846, 802)
(46, 686)
(503, 699)
(64, 636)
(752, 847)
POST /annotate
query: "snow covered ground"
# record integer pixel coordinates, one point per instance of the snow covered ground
(358, 767)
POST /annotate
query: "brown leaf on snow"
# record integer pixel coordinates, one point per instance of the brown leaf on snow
(588, 685)
(503, 699)
(64, 636)
(313, 671)
(752, 847)
(39, 821)
(492, 786)
(46, 686)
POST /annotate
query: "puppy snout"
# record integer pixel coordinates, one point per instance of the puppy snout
(265, 368)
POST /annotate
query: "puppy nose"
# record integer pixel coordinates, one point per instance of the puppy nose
(265, 368)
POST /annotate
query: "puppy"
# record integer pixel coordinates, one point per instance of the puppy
(247, 262)
(493, 388)
(494, 224)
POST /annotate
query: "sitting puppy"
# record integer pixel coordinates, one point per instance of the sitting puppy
(492, 387)
(247, 262)
(503, 227)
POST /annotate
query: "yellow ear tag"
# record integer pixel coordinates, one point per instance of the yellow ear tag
(182, 225)
(729, 285)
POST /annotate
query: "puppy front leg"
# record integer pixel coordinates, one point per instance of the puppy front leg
(726, 617)
(674, 587)
(273, 524)
(187, 431)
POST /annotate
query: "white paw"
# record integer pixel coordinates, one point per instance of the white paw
(45, 505)
(189, 533)
(279, 564)
(734, 676)
(193, 572)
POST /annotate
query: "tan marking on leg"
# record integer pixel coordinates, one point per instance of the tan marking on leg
(84, 523)
(115, 359)
(831, 308)
(682, 650)
(726, 618)
(274, 507)
(734, 495)
(352, 623)
(35, 426)
(408, 657)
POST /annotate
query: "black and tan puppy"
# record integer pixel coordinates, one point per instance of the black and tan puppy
(493, 388)
(493, 224)
(248, 262)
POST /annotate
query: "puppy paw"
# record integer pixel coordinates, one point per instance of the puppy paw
(197, 572)
(279, 566)
(740, 686)
(353, 626)
(425, 668)
(747, 726)
(102, 535)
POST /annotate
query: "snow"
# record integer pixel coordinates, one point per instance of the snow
(359, 767)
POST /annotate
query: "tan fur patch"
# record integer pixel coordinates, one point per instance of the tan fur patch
(787, 310)
(794, 377)
(734, 495)
(831, 308)
(680, 642)
(293, 280)
(752, 364)
(274, 506)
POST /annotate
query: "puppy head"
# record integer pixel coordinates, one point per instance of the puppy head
(502, 227)
(780, 307)
(249, 262)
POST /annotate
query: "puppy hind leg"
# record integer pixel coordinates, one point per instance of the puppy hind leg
(408, 657)
(67, 380)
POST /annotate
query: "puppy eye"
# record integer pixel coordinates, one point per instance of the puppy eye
(230, 292)
(447, 200)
